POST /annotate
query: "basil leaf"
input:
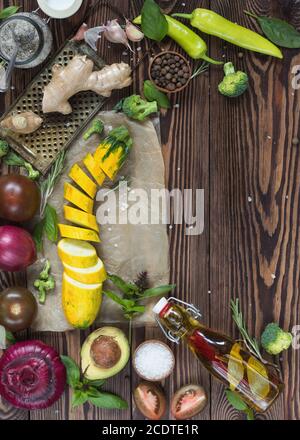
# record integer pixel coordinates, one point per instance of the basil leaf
(96, 383)
(156, 291)
(72, 369)
(79, 398)
(10, 337)
(7, 12)
(51, 221)
(278, 31)
(153, 22)
(236, 401)
(123, 302)
(128, 288)
(153, 94)
(110, 401)
(38, 235)
(250, 414)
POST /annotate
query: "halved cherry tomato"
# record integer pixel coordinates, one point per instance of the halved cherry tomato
(188, 401)
(150, 400)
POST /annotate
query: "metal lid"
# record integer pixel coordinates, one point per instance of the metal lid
(160, 305)
(59, 8)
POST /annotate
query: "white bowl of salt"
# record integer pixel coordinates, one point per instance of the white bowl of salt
(60, 8)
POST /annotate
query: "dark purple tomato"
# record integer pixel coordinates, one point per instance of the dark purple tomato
(18, 308)
(19, 198)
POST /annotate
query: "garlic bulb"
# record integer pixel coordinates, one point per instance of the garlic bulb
(133, 33)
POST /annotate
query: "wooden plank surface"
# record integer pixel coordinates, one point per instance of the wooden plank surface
(240, 153)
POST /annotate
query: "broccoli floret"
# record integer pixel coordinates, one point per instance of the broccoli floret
(137, 108)
(14, 159)
(4, 148)
(43, 287)
(274, 340)
(96, 127)
(234, 83)
(44, 275)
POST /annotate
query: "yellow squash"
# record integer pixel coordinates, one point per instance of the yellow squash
(113, 151)
(94, 169)
(76, 253)
(73, 195)
(80, 218)
(75, 233)
(81, 302)
(83, 180)
(90, 275)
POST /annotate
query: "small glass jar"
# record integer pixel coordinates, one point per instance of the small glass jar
(34, 38)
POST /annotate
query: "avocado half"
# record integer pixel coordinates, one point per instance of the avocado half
(104, 353)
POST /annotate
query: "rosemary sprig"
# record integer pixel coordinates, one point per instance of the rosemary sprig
(203, 67)
(251, 343)
(47, 185)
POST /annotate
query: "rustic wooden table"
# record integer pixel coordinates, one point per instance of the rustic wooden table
(241, 153)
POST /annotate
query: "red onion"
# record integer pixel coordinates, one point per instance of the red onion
(17, 249)
(32, 376)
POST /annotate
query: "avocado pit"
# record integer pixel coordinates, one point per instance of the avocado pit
(105, 351)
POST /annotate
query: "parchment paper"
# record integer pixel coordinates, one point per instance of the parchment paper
(126, 249)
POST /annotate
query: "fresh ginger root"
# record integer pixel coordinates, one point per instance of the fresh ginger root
(22, 123)
(78, 76)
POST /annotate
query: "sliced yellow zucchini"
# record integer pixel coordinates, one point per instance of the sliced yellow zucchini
(73, 195)
(94, 169)
(80, 218)
(68, 231)
(83, 180)
(76, 253)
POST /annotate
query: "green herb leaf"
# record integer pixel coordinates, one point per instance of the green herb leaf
(10, 337)
(72, 369)
(156, 291)
(236, 401)
(128, 288)
(119, 106)
(79, 398)
(153, 94)
(278, 31)
(250, 414)
(123, 302)
(38, 235)
(153, 22)
(51, 221)
(110, 401)
(13, 159)
(136, 309)
(7, 12)
(96, 383)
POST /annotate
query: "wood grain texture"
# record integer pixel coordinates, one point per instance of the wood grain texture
(256, 212)
(240, 152)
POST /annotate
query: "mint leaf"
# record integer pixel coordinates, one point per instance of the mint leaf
(109, 401)
(51, 221)
(72, 369)
(153, 22)
(79, 398)
(236, 401)
(151, 93)
(10, 337)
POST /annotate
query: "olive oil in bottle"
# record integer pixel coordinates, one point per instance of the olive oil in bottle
(257, 383)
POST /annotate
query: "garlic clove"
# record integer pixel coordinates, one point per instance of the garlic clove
(91, 36)
(133, 33)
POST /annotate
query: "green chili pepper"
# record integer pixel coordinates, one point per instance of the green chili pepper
(193, 45)
(214, 24)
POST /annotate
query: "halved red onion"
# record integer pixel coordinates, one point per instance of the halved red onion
(32, 376)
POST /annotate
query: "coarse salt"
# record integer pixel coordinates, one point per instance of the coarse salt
(154, 360)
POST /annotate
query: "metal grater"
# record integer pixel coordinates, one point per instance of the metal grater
(57, 131)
